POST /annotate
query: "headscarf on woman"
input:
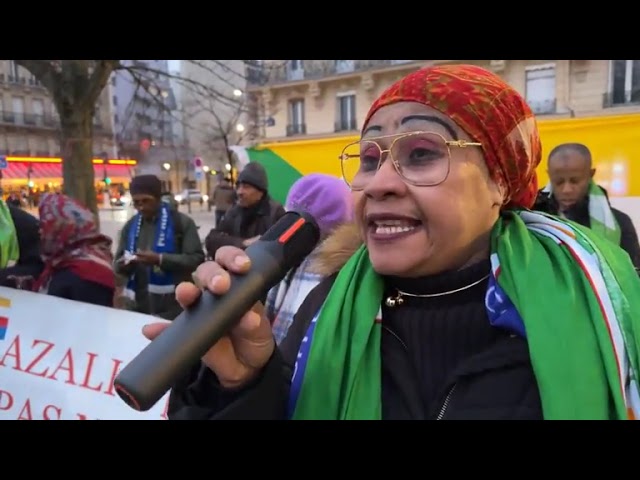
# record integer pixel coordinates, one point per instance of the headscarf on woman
(574, 295)
(70, 239)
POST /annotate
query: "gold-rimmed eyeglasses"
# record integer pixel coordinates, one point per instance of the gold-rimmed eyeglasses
(422, 159)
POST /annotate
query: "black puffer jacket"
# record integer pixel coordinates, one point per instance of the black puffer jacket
(241, 223)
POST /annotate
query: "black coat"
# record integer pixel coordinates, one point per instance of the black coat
(495, 384)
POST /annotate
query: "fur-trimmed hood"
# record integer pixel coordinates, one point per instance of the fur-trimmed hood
(334, 252)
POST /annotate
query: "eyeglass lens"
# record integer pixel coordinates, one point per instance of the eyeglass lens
(421, 158)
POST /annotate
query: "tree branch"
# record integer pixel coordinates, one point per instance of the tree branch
(97, 81)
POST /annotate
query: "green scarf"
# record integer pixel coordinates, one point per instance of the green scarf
(9, 249)
(571, 351)
(602, 219)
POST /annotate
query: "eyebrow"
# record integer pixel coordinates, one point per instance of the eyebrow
(372, 128)
(430, 118)
(422, 118)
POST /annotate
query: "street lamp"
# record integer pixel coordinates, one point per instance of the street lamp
(228, 167)
(205, 169)
(240, 128)
(237, 92)
(167, 167)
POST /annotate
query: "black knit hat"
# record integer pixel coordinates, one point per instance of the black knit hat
(254, 174)
(146, 185)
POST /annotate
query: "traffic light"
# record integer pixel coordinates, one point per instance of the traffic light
(107, 180)
(145, 145)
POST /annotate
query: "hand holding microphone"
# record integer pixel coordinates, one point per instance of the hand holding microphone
(241, 354)
(220, 327)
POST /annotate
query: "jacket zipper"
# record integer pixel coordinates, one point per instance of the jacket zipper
(446, 402)
(404, 345)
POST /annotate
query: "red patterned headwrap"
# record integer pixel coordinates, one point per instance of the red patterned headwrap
(490, 111)
(70, 239)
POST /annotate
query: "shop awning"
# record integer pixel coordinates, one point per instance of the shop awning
(20, 170)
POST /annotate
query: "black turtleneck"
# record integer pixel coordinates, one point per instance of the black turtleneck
(438, 333)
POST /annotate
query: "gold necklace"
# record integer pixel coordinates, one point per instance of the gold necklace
(397, 300)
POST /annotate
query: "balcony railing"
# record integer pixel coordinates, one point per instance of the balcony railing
(315, 69)
(29, 119)
(543, 107)
(9, 79)
(620, 98)
(346, 125)
(296, 129)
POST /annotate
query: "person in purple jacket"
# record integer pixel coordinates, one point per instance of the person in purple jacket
(328, 200)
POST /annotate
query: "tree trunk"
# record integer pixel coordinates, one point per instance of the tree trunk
(77, 156)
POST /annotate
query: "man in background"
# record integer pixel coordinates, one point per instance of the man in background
(573, 194)
(223, 198)
(159, 247)
(252, 215)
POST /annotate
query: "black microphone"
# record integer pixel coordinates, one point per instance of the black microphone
(150, 375)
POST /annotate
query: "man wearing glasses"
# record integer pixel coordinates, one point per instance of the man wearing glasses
(159, 247)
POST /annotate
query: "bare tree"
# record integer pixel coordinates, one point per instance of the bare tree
(217, 122)
(75, 87)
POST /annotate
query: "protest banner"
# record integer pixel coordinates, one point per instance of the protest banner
(59, 358)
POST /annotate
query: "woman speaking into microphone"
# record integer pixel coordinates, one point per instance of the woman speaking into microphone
(455, 301)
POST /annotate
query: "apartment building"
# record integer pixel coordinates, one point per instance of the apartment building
(30, 125)
(30, 130)
(324, 98)
(143, 104)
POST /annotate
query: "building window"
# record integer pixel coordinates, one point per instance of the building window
(296, 124)
(42, 147)
(541, 88)
(18, 109)
(295, 70)
(625, 82)
(37, 107)
(113, 80)
(115, 100)
(346, 112)
(13, 71)
(21, 145)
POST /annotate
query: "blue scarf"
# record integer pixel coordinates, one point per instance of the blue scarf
(160, 282)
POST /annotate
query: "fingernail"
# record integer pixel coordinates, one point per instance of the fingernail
(255, 321)
(214, 281)
(196, 280)
(241, 260)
